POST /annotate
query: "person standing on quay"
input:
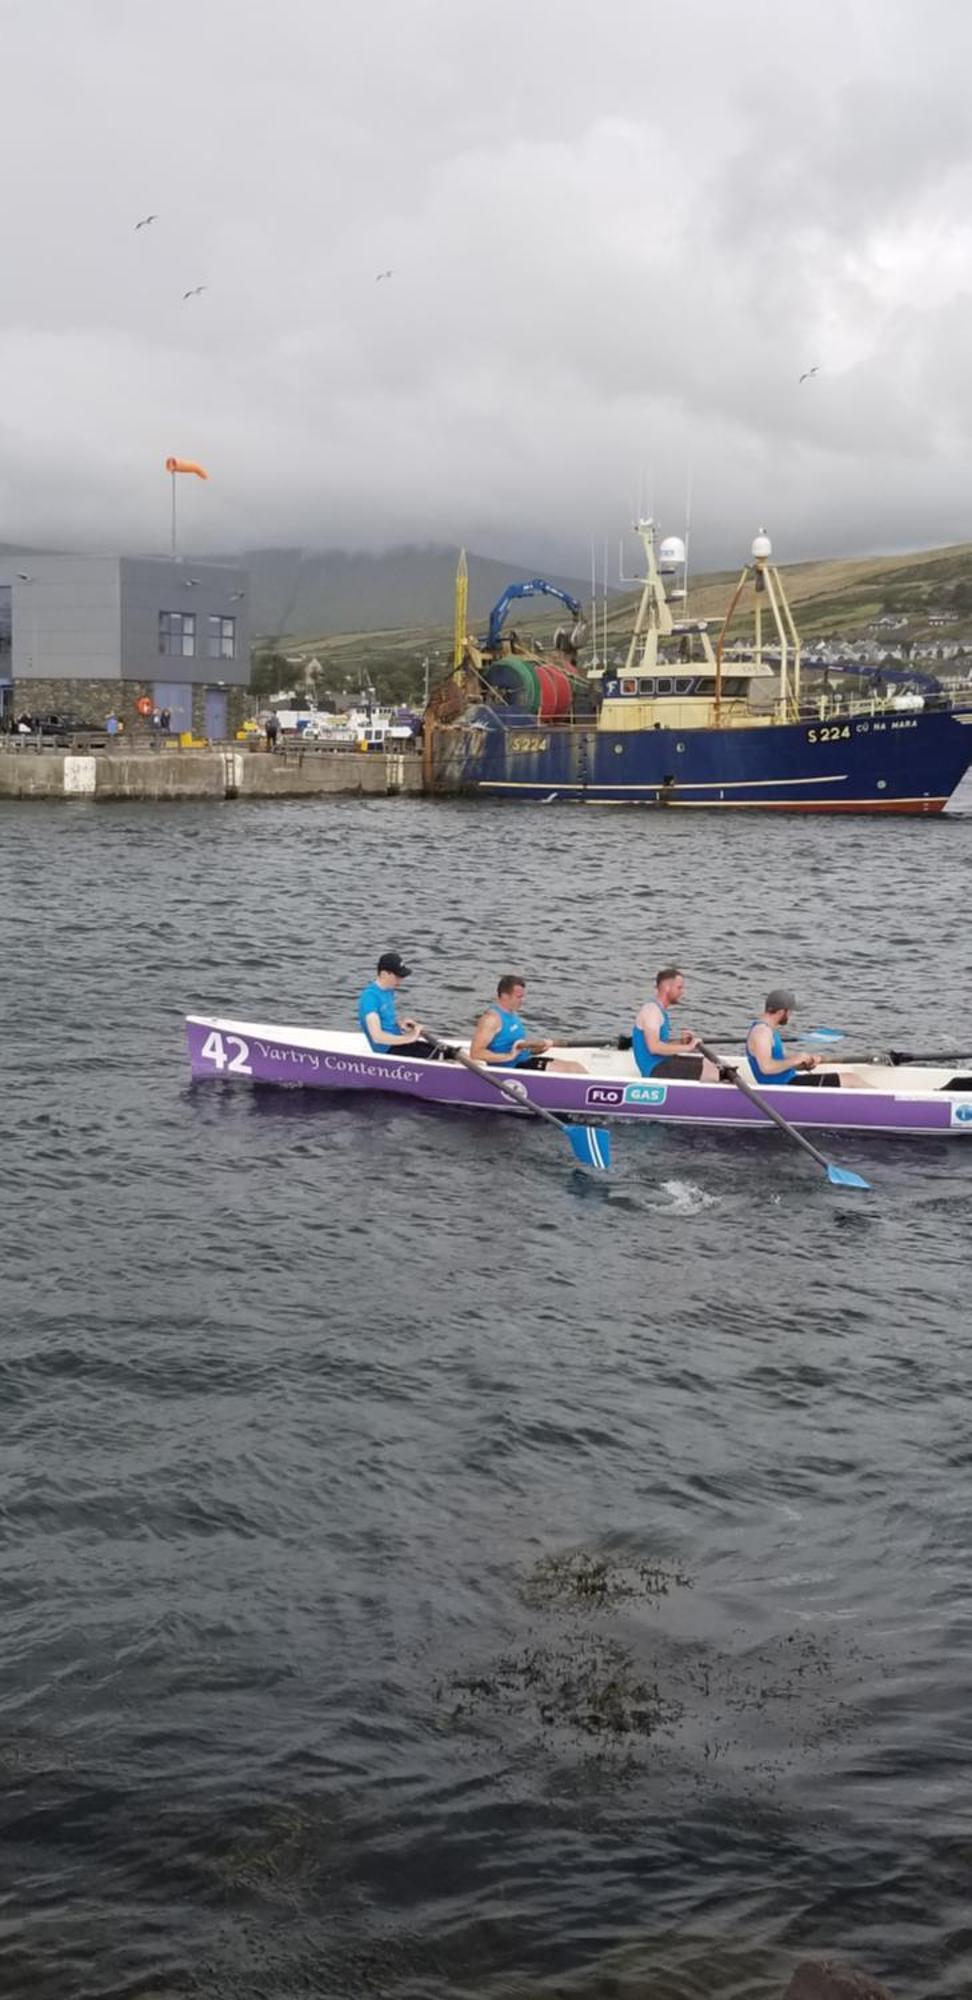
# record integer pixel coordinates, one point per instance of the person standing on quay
(111, 729)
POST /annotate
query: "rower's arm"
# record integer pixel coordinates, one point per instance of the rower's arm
(760, 1044)
(650, 1022)
(380, 1038)
(486, 1027)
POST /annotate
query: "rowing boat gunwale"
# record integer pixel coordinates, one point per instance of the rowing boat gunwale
(232, 1050)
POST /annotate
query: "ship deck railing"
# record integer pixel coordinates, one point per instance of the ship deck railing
(826, 709)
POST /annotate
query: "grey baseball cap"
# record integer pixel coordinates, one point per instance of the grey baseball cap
(780, 1001)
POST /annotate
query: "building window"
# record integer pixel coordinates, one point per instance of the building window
(222, 638)
(177, 634)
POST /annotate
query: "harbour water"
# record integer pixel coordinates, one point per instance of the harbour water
(425, 1573)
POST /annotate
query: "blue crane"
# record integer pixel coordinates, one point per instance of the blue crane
(497, 617)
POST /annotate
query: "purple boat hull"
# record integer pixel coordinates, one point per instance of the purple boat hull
(913, 1103)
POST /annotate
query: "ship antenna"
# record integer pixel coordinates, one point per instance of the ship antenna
(605, 603)
(595, 661)
(688, 532)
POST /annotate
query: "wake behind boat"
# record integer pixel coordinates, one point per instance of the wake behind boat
(914, 1100)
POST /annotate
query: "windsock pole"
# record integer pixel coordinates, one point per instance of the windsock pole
(174, 466)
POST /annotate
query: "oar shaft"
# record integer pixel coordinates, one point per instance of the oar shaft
(503, 1085)
(934, 1061)
(615, 1041)
(768, 1110)
(590, 1146)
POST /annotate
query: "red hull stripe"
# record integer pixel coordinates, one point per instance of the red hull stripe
(673, 803)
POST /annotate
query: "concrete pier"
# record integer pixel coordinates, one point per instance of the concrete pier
(230, 773)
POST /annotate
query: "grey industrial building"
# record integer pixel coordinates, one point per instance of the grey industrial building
(82, 635)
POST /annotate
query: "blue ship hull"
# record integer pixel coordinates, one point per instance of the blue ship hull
(889, 762)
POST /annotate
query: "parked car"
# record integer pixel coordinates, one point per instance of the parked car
(65, 725)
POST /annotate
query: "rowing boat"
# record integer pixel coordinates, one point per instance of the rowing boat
(916, 1101)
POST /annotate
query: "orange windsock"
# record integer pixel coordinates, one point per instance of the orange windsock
(186, 465)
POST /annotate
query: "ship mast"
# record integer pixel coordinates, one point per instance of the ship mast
(461, 617)
(767, 583)
(654, 619)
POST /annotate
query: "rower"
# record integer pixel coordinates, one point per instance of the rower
(657, 1049)
(500, 1037)
(770, 1063)
(768, 1059)
(378, 1012)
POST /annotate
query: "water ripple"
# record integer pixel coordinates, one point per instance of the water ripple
(297, 1395)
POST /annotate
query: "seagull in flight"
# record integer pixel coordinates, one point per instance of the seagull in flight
(193, 292)
(808, 372)
(384, 274)
(146, 219)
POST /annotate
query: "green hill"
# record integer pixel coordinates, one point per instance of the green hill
(325, 592)
(830, 599)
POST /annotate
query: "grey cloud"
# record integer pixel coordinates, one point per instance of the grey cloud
(617, 242)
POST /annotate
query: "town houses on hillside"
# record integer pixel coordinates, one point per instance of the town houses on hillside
(870, 653)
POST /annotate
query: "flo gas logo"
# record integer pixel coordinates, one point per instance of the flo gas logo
(618, 1094)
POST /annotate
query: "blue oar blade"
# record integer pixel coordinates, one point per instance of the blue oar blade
(843, 1177)
(822, 1035)
(591, 1146)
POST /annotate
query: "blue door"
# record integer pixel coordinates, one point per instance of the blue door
(214, 725)
(177, 698)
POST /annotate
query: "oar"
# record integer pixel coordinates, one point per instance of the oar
(838, 1176)
(933, 1061)
(590, 1144)
(599, 1041)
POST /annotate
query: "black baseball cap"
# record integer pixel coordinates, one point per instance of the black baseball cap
(392, 961)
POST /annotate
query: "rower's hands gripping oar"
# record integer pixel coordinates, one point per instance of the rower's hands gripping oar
(590, 1144)
(837, 1176)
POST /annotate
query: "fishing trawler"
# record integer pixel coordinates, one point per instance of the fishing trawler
(688, 723)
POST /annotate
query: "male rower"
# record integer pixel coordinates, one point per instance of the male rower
(658, 1050)
(500, 1037)
(378, 1012)
(768, 1058)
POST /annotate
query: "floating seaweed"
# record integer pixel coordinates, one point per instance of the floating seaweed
(578, 1580)
(593, 1688)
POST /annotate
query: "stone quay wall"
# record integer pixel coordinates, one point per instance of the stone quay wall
(103, 775)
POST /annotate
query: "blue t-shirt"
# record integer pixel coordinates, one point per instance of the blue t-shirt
(643, 1055)
(777, 1076)
(379, 1000)
(511, 1029)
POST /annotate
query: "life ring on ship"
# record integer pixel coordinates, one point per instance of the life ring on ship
(144, 705)
(629, 686)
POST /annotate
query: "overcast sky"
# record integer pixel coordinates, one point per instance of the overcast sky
(619, 233)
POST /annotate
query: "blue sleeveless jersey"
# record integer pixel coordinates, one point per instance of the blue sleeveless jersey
(778, 1076)
(379, 1000)
(642, 1054)
(511, 1029)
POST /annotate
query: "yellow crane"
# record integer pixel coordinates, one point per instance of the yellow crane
(462, 597)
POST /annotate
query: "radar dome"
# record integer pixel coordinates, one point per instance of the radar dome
(762, 546)
(672, 552)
